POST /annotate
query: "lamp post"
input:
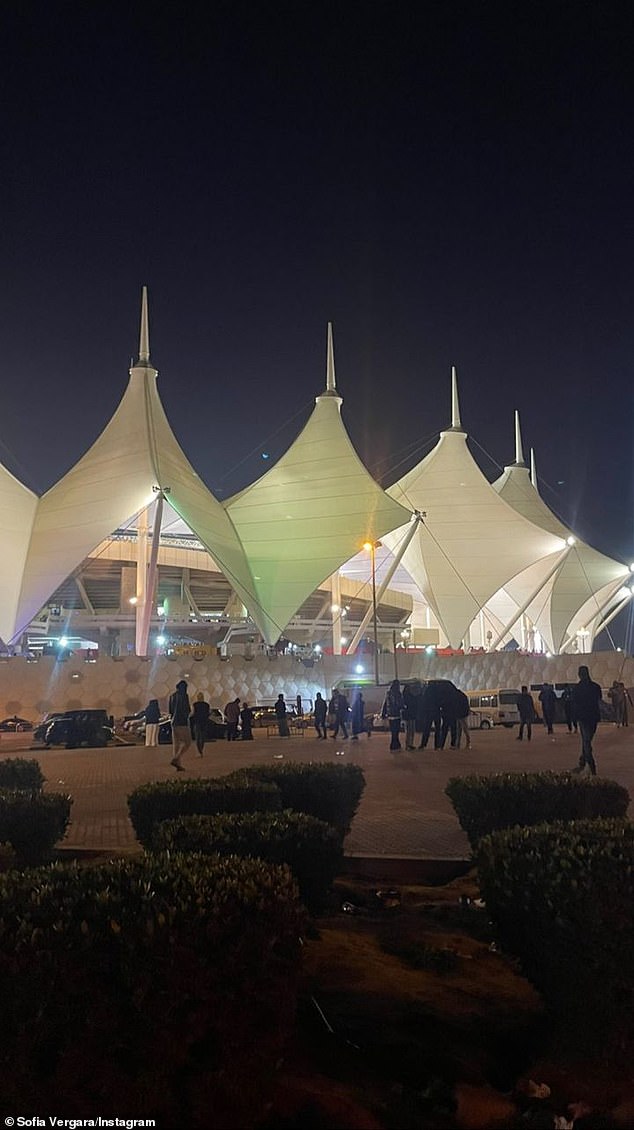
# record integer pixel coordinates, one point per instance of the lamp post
(372, 546)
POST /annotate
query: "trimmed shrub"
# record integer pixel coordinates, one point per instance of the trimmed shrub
(33, 822)
(183, 968)
(502, 800)
(21, 773)
(329, 792)
(561, 897)
(311, 848)
(165, 800)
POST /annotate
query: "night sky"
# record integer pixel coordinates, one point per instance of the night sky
(448, 183)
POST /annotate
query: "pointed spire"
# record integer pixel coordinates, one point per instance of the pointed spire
(456, 425)
(144, 337)
(533, 469)
(330, 363)
(519, 453)
(331, 384)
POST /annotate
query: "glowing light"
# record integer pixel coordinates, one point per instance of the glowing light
(343, 641)
(63, 641)
(570, 540)
(359, 669)
(334, 607)
(160, 611)
(133, 600)
(430, 650)
(161, 641)
(317, 647)
(367, 545)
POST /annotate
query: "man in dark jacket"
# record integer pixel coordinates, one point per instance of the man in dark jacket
(200, 718)
(321, 707)
(232, 714)
(586, 698)
(392, 710)
(526, 710)
(548, 699)
(280, 714)
(428, 716)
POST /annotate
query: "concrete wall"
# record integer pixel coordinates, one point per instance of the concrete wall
(123, 686)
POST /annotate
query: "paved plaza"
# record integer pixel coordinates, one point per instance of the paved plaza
(403, 813)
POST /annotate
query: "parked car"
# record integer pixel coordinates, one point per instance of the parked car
(266, 716)
(77, 728)
(15, 725)
(216, 727)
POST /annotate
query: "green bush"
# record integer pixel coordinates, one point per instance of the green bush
(184, 969)
(329, 792)
(502, 800)
(561, 897)
(311, 848)
(165, 800)
(33, 822)
(20, 773)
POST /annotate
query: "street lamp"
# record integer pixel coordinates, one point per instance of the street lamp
(371, 547)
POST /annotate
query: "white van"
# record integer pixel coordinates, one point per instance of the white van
(496, 706)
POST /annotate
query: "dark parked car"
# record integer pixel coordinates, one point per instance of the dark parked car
(266, 716)
(76, 728)
(15, 725)
(216, 727)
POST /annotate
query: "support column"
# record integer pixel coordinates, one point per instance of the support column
(141, 577)
(335, 592)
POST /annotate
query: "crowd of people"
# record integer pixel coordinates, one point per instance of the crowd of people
(419, 712)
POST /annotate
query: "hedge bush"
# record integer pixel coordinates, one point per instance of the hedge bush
(329, 792)
(311, 848)
(561, 897)
(33, 822)
(488, 803)
(165, 800)
(160, 987)
(21, 773)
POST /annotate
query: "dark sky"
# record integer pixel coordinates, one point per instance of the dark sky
(449, 183)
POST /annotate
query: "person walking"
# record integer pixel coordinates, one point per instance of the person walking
(627, 699)
(548, 699)
(232, 714)
(246, 721)
(200, 719)
(320, 712)
(462, 712)
(358, 716)
(586, 699)
(617, 698)
(526, 710)
(427, 715)
(410, 703)
(180, 710)
(392, 710)
(152, 718)
(571, 721)
(341, 715)
(280, 714)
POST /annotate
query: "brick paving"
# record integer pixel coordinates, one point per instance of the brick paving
(403, 814)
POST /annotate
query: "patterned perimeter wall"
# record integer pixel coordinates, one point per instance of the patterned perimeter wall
(123, 686)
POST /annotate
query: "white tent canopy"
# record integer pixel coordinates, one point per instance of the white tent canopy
(311, 512)
(17, 511)
(136, 456)
(471, 541)
(586, 579)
